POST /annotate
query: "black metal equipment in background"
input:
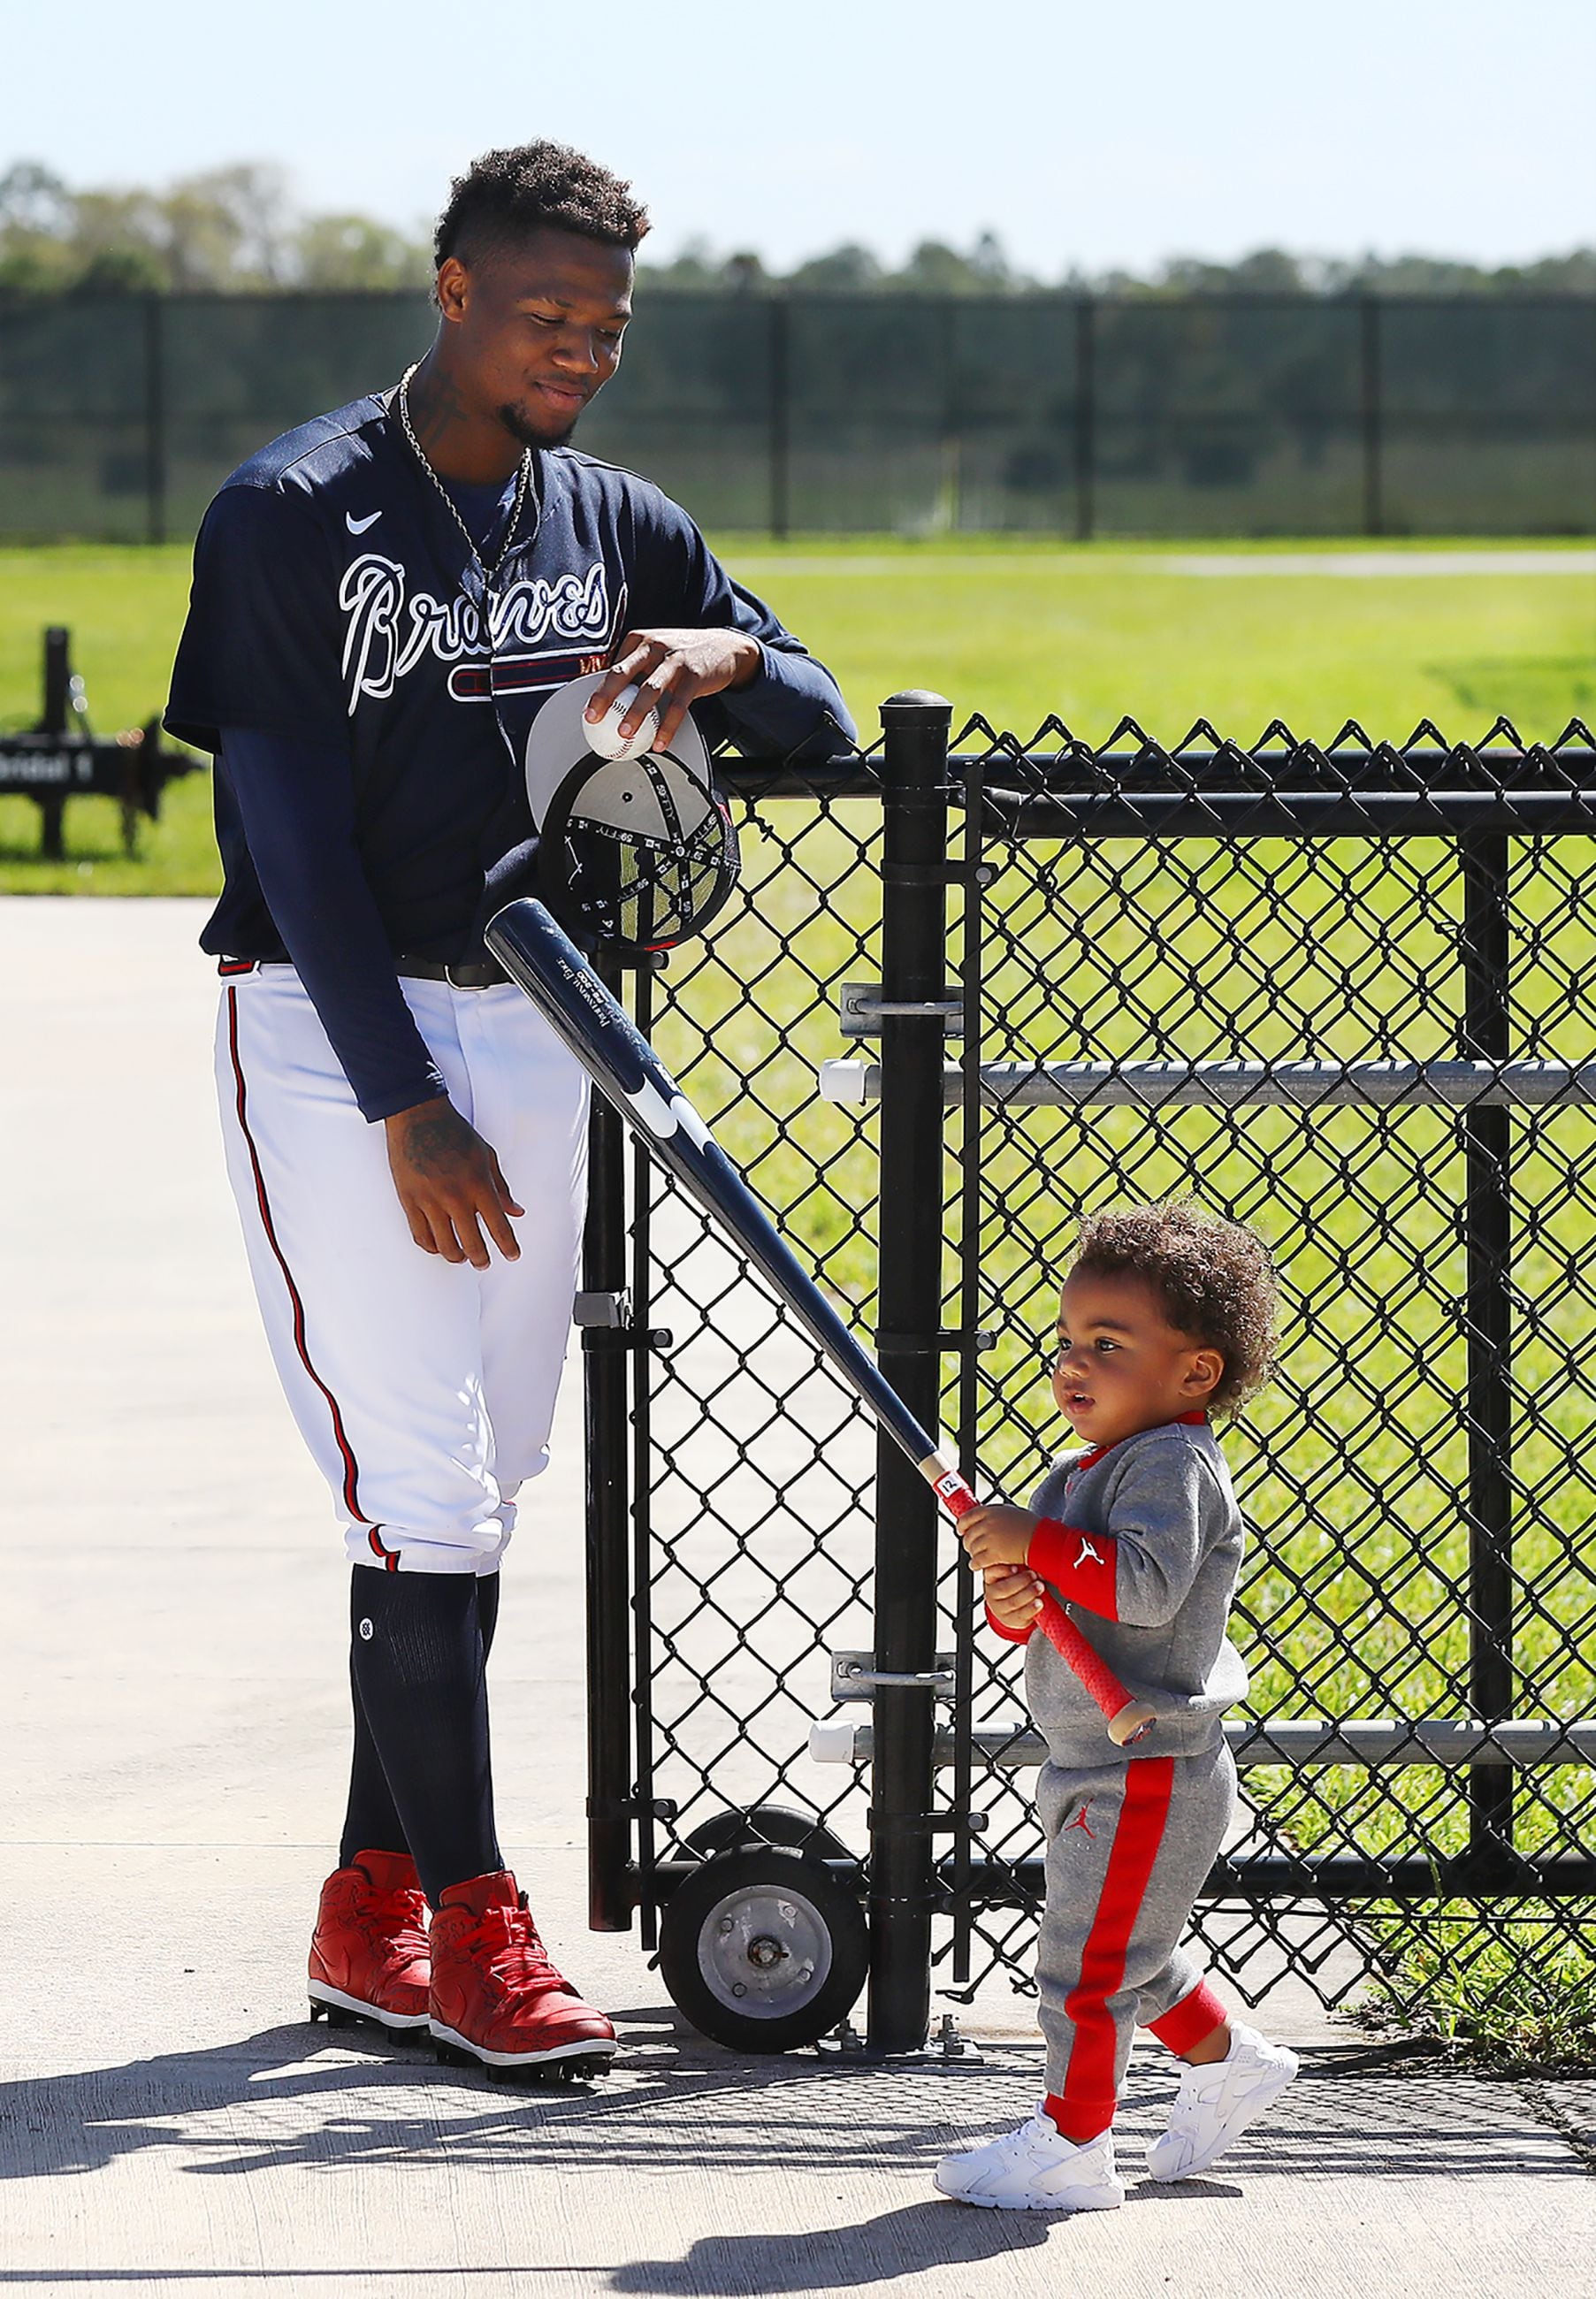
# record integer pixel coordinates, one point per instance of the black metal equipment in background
(1338, 991)
(1061, 414)
(59, 758)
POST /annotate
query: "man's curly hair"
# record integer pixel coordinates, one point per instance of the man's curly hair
(1213, 1277)
(527, 187)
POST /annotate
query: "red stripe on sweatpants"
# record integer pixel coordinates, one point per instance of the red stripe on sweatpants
(1089, 2091)
(351, 1467)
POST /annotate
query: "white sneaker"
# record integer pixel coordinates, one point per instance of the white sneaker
(1217, 2103)
(1035, 2170)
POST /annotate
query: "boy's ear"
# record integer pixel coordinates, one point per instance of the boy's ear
(1203, 1375)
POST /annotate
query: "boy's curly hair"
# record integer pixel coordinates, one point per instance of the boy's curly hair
(1213, 1278)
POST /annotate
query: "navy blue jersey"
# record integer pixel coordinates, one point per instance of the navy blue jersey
(370, 722)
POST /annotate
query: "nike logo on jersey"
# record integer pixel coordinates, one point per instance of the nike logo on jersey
(359, 525)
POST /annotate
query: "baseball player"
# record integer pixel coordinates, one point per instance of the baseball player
(382, 600)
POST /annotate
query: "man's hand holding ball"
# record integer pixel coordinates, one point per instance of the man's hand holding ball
(605, 736)
(654, 677)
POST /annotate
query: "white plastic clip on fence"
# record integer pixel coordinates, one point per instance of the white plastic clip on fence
(831, 1739)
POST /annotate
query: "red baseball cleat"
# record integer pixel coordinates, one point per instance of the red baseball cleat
(369, 1953)
(495, 1997)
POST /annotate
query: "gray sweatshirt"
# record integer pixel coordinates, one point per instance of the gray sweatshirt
(1145, 1561)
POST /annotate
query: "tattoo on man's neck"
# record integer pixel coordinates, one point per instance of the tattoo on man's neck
(436, 409)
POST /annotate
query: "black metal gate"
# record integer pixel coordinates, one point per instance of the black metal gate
(1341, 993)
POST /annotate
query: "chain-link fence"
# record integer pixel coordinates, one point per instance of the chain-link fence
(1334, 992)
(1065, 415)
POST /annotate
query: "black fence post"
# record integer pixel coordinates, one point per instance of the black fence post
(970, 1610)
(781, 417)
(640, 1376)
(56, 717)
(154, 421)
(1488, 1232)
(913, 957)
(1369, 386)
(605, 1369)
(945, 510)
(1085, 419)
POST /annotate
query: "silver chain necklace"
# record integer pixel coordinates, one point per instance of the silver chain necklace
(476, 578)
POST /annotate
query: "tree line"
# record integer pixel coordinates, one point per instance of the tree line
(237, 230)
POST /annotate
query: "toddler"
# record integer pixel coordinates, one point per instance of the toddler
(1166, 1316)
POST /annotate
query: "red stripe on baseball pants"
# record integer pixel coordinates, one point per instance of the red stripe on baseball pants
(345, 1451)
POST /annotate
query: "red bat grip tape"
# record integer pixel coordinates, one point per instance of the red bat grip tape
(1060, 1631)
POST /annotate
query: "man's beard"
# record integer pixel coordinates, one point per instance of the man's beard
(524, 436)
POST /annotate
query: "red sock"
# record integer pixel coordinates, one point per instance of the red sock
(1075, 2124)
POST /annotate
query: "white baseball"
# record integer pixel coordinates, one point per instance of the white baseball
(604, 735)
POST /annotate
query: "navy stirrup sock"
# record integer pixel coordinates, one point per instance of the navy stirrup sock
(422, 1779)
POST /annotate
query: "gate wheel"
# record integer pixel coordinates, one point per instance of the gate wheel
(763, 1949)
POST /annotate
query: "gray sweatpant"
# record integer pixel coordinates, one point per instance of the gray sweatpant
(1129, 1844)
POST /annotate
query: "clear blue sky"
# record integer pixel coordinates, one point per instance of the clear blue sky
(1097, 135)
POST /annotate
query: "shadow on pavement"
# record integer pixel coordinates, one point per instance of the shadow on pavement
(303, 2094)
(911, 2241)
(289, 2097)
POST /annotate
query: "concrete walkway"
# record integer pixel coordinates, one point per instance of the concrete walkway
(173, 1726)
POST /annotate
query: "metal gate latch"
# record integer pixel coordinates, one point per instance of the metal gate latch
(860, 1007)
(854, 1676)
(604, 1321)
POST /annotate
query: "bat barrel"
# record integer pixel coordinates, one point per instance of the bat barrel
(544, 962)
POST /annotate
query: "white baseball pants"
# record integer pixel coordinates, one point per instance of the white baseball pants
(424, 1388)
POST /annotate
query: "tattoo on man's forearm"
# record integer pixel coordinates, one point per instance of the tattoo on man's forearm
(432, 1145)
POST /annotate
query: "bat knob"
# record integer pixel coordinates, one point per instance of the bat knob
(1134, 1720)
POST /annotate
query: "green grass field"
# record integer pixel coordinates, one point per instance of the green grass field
(1011, 629)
